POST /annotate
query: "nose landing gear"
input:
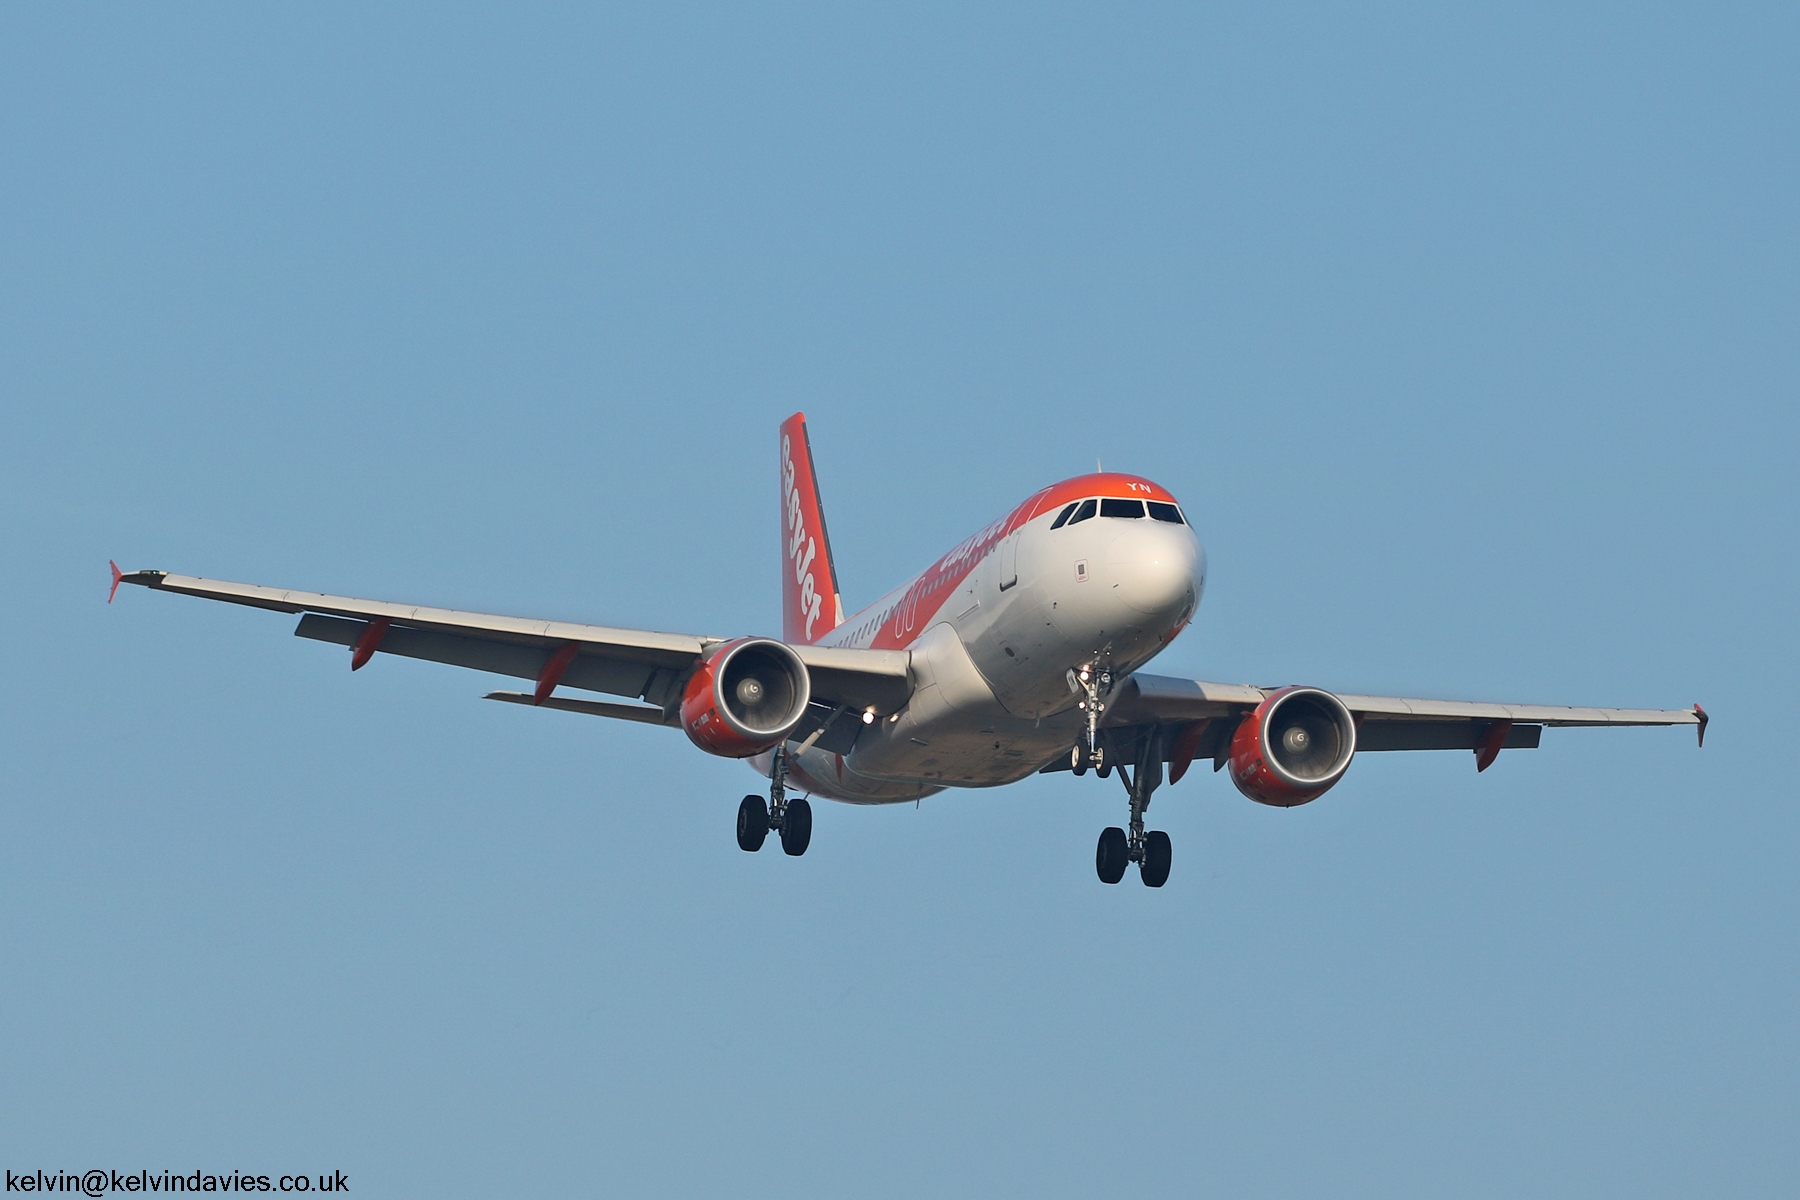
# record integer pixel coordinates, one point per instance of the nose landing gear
(1150, 849)
(1092, 683)
(791, 819)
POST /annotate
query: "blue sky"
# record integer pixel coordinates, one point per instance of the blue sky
(1466, 335)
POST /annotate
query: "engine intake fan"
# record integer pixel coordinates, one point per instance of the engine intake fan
(745, 698)
(1293, 748)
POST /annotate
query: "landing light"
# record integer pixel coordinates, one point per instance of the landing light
(869, 717)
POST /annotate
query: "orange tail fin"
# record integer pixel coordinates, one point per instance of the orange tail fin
(810, 602)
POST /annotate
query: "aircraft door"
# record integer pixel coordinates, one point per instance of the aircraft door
(1009, 560)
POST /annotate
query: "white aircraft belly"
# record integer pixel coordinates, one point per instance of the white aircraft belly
(954, 732)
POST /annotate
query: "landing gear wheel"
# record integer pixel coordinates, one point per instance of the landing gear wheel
(753, 823)
(1157, 853)
(1082, 760)
(1112, 855)
(796, 827)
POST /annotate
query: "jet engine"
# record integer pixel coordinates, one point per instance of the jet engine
(1295, 745)
(745, 698)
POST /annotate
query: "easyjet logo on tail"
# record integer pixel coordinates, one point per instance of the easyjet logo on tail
(802, 547)
(809, 585)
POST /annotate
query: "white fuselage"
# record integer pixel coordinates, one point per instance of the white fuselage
(993, 637)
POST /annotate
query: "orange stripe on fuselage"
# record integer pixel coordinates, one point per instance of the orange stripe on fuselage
(928, 594)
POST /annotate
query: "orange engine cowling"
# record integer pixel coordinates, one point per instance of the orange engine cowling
(1295, 745)
(745, 698)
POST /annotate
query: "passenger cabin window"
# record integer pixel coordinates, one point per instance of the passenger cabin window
(1121, 508)
(1166, 512)
(1083, 513)
(1062, 517)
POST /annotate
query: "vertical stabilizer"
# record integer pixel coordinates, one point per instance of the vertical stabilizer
(810, 604)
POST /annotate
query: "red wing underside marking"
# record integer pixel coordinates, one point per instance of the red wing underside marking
(555, 669)
(368, 642)
(1489, 747)
(1187, 744)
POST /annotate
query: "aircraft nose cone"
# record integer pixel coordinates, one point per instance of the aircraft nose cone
(1153, 567)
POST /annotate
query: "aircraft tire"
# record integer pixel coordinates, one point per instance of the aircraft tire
(1112, 855)
(1157, 855)
(796, 830)
(752, 823)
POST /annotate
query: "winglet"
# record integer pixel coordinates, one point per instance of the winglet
(1700, 715)
(117, 576)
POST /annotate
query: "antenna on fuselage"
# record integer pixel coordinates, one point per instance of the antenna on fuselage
(1098, 469)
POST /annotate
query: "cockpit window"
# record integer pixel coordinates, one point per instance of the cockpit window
(1063, 517)
(1166, 512)
(1121, 508)
(1083, 513)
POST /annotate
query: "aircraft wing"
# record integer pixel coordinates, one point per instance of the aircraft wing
(1209, 712)
(646, 665)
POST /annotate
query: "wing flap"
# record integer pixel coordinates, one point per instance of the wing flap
(1439, 735)
(1142, 697)
(643, 713)
(859, 679)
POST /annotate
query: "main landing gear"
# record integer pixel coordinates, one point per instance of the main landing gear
(791, 819)
(1150, 850)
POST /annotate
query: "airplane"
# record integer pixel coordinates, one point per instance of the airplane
(1020, 652)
